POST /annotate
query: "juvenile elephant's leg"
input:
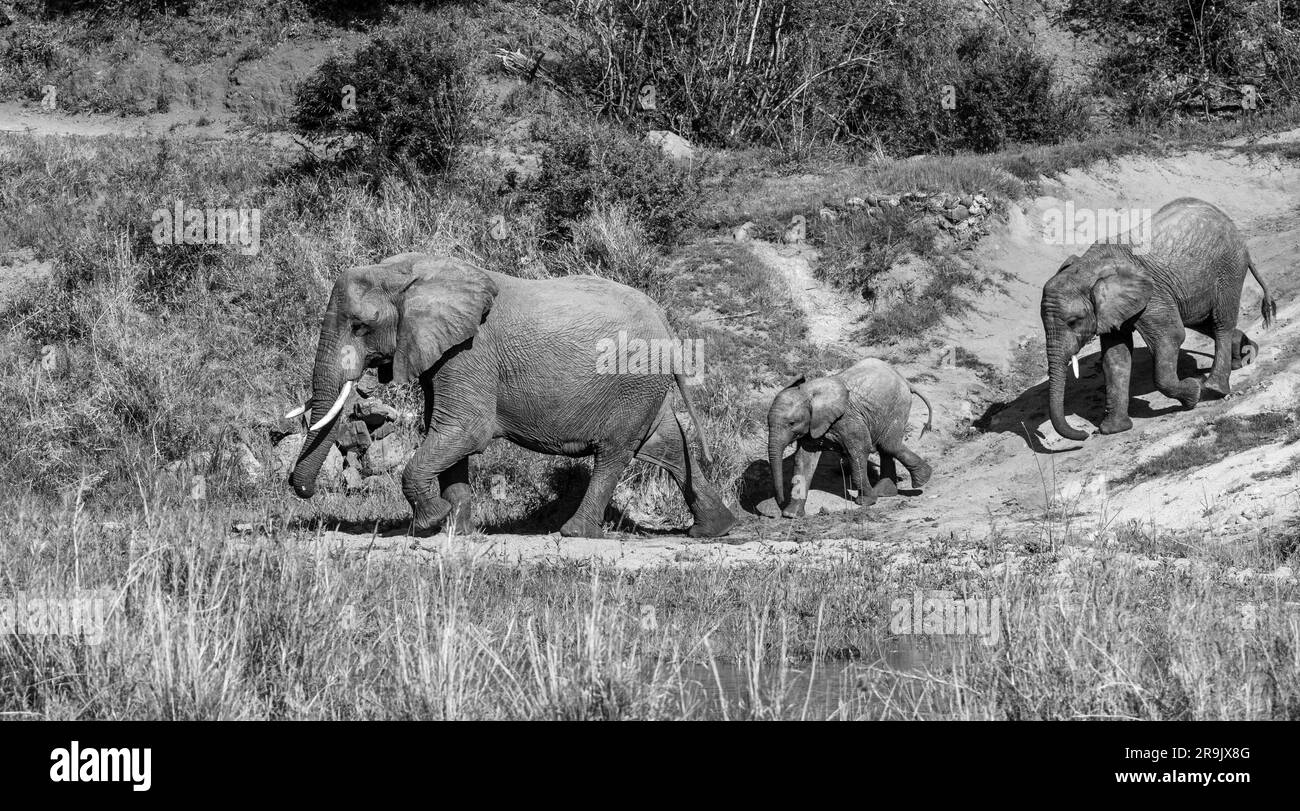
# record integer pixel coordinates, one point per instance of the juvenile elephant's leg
(917, 468)
(443, 450)
(668, 448)
(805, 465)
(887, 484)
(610, 462)
(1166, 340)
(1223, 319)
(855, 438)
(1117, 361)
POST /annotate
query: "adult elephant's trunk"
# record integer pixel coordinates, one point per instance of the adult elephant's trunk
(1060, 349)
(328, 393)
(776, 445)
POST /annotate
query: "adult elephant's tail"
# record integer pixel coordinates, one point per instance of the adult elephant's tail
(1267, 307)
(695, 419)
(929, 410)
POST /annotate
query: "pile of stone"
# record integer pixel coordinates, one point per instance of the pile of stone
(373, 438)
(960, 214)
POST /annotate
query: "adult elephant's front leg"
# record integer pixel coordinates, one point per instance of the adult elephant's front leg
(1117, 362)
(441, 458)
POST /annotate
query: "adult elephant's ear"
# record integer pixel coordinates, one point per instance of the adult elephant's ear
(829, 400)
(1120, 292)
(440, 307)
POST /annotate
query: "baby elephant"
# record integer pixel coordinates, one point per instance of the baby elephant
(856, 411)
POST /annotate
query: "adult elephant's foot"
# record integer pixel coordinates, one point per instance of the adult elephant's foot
(1115, 424)
(866, 497)
(580, 527)
(460, 518)
(714, 524)
(885, 487)
(794, 509)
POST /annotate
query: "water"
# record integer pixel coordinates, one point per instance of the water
(889, 681)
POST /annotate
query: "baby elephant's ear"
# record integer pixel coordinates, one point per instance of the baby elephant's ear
(1119, 294)
(829, 400)
(440, 307)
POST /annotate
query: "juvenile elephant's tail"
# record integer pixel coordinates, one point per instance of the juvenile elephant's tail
(1267, 307)
(695, 419)
(929, 416)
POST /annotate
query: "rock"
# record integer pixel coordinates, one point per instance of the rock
(873, 200)
(374, 412)
(332, 470)
(247, 461)
(385, 454)
(674, 146)
(353, 435)
(827, 215)
(382, 430)
(797, 231)
(352, 478)
(966, 201)
(957, 214)
(854, 202)
(286, 453)
(744, 233)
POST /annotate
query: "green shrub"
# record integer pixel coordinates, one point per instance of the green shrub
(810, 72)
(587, 167)
(413, 102)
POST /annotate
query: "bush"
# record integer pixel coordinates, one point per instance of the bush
(803, 72)
(585, 168)
(1168, 56)
(413, 102)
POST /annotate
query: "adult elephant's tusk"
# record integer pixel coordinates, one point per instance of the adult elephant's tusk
(336, 408)
(1074, 364)
(297, 412)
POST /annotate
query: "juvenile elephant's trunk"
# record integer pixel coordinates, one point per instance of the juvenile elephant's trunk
(776, 445)
(1058, 356)
(327, 384)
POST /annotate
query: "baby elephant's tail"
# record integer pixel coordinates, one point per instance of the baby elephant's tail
(929, 417)
(1267, 307)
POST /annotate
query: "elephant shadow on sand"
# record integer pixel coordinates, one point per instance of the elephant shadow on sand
(1085, 396)
(833, 477)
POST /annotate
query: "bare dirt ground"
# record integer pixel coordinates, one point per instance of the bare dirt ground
(1009, 471)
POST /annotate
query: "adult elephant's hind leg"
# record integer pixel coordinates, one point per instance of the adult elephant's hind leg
(668, 448)
(609, 464)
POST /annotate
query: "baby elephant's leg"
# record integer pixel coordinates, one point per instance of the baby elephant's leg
(887, 484)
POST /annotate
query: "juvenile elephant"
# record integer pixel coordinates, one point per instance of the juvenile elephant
(856, 411)
(499, 356)
(1189, 274)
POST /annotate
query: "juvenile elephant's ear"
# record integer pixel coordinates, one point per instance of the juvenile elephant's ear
(829, 400)
(440, 307)
(795, 381)
(1120, 292)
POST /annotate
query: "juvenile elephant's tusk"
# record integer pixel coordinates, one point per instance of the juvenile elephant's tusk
(1074, 363)
(336, 408)
(297, 412)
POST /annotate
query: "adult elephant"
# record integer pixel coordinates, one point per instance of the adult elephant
(1188, 274)
(498, 356)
